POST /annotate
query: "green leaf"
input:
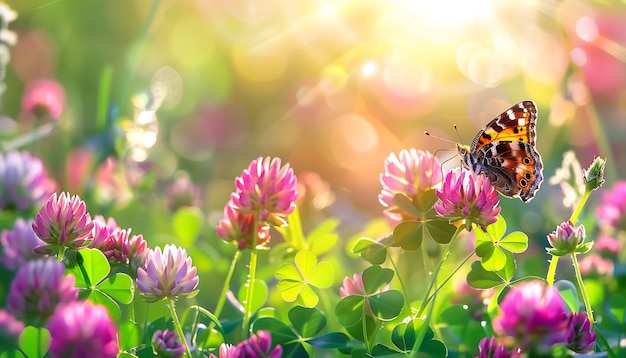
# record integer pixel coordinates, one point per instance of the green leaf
(497, 229)
(405, 204)
(439, 230)
(569, 293)
(480, 278)
(494, 261)
(455, 315)
(308, 297)
(197, 316)
(307, 321)
(292, 233)
(508, 271)
(370, 250)
(306, 262)
(187, 223)
(259, 296)
(130, 335)
(126, 355)
(281, 333)
(290, 289)
(97, 296)
(323, 237)
(322, 275)
(288, 271)
(516, 242)
(409, 235)
(12, 354)
(386, 305)
(381, 350)
(331, 340)
(375, 278)
(119, 286)
(425, 201)
(349, 310)
(34, 342)
(94, 264)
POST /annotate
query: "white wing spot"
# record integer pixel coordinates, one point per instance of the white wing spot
(511, 114)
(521, 121)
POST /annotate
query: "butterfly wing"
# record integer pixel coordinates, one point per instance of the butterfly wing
(513, 168)
(516, 124)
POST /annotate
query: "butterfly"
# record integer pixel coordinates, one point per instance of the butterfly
(505, 152)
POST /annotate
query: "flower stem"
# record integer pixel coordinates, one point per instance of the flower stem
(178, 327)
(580, 206)
(222, 299)
(450, 275)
(251, 279)
(552, 270)
(583, 290)
(407, 303)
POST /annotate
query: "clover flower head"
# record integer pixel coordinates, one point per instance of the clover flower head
(259, 345)
(468, 196)
(237, 228)
(266, 189)
(580, 335)
(182, 192)
(490, 348)
(38, 288)
(166, 344)
(117, 244)
(18, 244)
(168, 273)
(567, 239)
(44, 98)
(82, 329)
(409, 173)
(534, 315)
(63, 222)
(25, 185)
(226, 351)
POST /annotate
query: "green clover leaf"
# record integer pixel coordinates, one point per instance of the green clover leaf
(492, 247)
(295, 280)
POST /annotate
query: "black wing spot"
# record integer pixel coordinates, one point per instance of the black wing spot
(526, 160)
(523, 183)
(528, 176)
(486, 136)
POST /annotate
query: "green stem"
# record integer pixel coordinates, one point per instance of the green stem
(583, 290)
(552, 270)
(251, 278)
(580, 206)
(407, 303)
(222, 299)
(467, 258)
(178, 327)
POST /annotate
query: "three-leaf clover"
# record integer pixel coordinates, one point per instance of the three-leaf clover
(295, 280)
(93, 280)
(494, 249)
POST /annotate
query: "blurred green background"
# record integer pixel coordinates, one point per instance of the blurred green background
(329, 86)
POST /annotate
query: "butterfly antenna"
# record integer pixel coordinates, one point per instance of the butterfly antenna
(440, 138)
(456, 129)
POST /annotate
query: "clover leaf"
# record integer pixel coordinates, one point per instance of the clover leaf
(306, 325)
(492, 247)
(295, 280)
(95, 283)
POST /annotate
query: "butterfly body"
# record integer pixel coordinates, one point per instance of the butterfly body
(505, 152)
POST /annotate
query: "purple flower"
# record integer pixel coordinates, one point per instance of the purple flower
(18, 244)
(25, 183)
(44, 98)
(117, 244)
(238, 228)
(580, 335)
(226, 351)
(259, 345)
(63, 222)
(166, 344)
(38, 288)
(10, 329)
(607, 246)
(612, 212)
(82, 329)
(182, 192)
(266, 189)
(410, 173)
(490, 348)
(167, 274)
(594, 264)
(534, 315)
(567, 239)
(468, 196)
